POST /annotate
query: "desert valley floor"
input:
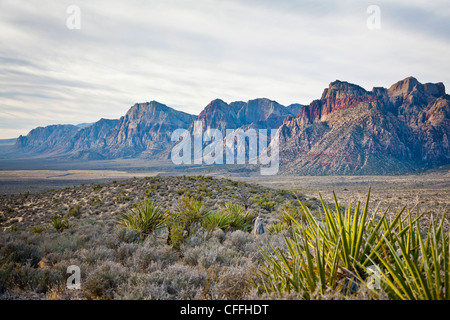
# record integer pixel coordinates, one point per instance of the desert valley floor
(35, 251)
(429, 190)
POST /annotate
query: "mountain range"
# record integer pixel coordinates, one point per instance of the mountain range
(349, 130)
(353, 131)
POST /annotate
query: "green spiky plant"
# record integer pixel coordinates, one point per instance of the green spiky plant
(145, 218)
(414, 266)
(60, 222)
(323, 251)
(289, 212)
(277, 228)
(219, 220)
(337, 249)
(185, 220)
(241, 219)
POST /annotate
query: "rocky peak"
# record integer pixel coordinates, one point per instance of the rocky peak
(349, 130)
(403, 87)
(261, 112)
(145, 127)
(216, 105)
(338, 96)
(341, 90)
(147, 110)
(434, 89)
(46, 139)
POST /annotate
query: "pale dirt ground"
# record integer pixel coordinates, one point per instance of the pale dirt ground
(431, 190)
(19, 181)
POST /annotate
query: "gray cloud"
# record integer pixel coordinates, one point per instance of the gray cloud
(186, 53)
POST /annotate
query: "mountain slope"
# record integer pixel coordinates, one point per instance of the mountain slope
(383, 131)
(146, 130)
(48, 140)
(259, 113)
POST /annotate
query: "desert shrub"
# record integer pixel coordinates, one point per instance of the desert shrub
(340, 251)
(139, 287)
(59, 222)
(96, 202)
(264, 202)
(233, 182)
(185, 220)
(277, 228)
(208, 254)
(75, 211)
(38, 229)
(96, 255)
(180, 282)
(21, 252)
(125, 251)
(202, 187)
(103, 281)
(219, 235)
(238, 240)
(228, 283)
(70, 241)
(144, 219)
(127, 235)
(150, 253)
(27, 278)
(218, 255)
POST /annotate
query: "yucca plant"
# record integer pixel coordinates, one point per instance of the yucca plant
(60, 222)
(219, 220)
(185, 220)
(300, 269)
(241, 219)
(326, 252)
(416, 266)
(231, 217)
(356, 232)
(146, 218)
(234, 208)
(277, 228)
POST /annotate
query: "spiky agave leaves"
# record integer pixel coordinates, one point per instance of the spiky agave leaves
(146, 218)
(306, 267)
(326, 252)
(416, 266)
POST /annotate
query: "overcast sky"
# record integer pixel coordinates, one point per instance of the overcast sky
(186, 53)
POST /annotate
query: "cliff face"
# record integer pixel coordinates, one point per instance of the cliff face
(349, 130)
(383, 131)
(45, 140)
(92, 137)
(145, 128)
(257, 113)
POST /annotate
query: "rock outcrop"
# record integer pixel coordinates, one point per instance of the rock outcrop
(349, 130)
(258, 113)
(383, 131)
(145, 130)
